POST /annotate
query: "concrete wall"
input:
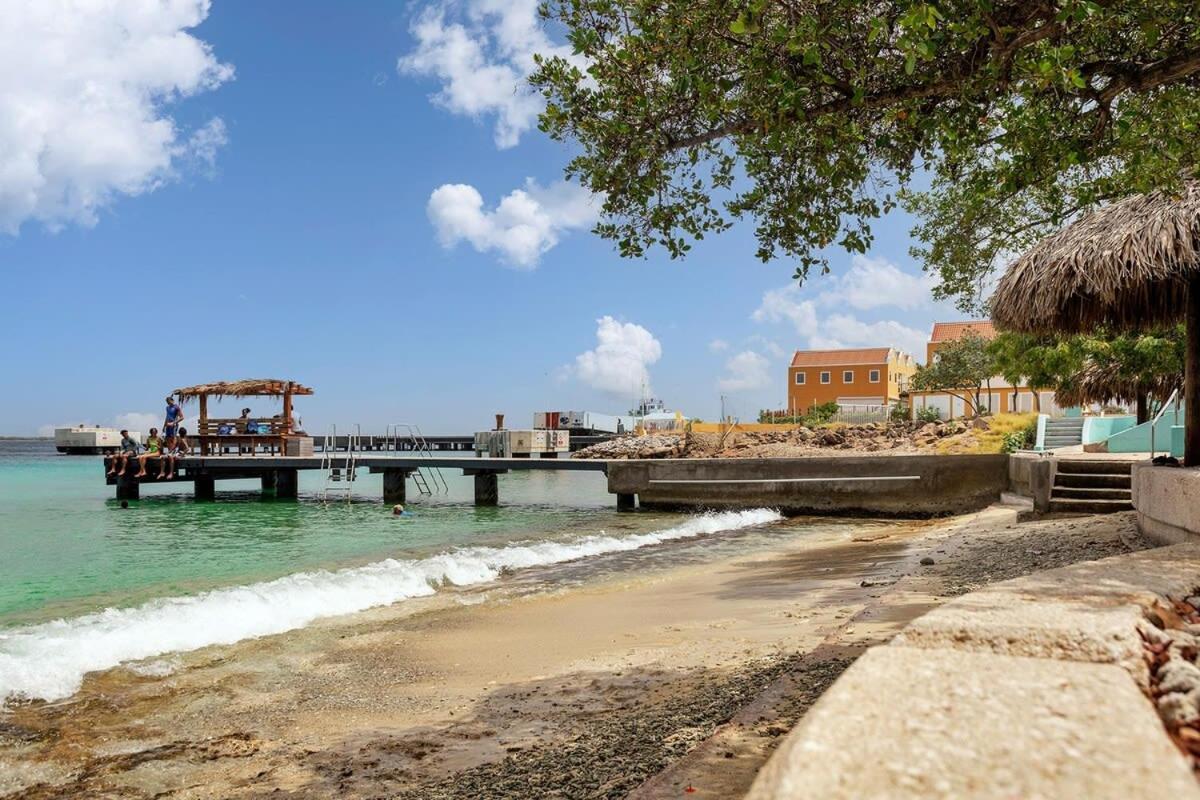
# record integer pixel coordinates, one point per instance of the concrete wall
(1165, 499)
(1137, 439)
(914, 486)
(1032, 475)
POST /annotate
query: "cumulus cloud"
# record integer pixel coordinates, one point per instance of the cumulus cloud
(718, 346)
(482, 52)
(877, 283)
(620, 362)
(746, 371)
(521, 228)
(84, 92)
(786, 305)
(140, 421)
(845, 330)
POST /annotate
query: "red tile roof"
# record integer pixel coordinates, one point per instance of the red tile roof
(838, 358)
(949, 331)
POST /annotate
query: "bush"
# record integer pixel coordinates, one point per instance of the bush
(928, 414)
(899, 413)
(820, 414)
(1021, 439)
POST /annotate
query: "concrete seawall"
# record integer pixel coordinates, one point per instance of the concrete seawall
(913, 486)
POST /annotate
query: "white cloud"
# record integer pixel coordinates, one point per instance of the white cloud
(845, 330)
(620, 363)
(876, 283)
(525, 224)
(745, 372)
(785, 304)
(770, 345)
(482, 52)
(140, 421)
(84, 89)
(718, 346)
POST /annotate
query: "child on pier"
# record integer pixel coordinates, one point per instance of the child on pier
(176, 448)
(129, 448)
(153, 450)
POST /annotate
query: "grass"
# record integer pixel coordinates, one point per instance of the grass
(992, 439)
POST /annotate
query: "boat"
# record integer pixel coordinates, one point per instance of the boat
(88, 440)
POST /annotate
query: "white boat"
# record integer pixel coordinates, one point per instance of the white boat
(89, 439)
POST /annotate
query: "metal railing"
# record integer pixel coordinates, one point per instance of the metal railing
(1174, 398)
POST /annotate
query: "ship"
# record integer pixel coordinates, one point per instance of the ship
(89, 440)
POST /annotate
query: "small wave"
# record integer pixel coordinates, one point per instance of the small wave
(48, 661)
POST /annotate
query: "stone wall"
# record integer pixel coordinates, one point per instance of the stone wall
(912, 486)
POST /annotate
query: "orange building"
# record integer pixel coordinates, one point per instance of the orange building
(998, 395)
(869, 376)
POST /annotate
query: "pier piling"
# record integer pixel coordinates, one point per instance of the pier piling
(487, 489)
(287, 483)
(393, 486)
(268, 481)
(128, 487)
(205, 487)
(626, 502)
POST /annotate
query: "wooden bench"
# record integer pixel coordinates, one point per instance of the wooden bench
(272, 435)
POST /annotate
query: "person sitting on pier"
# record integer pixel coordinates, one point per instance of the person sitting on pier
(175, 448)
(173, 417)
(248, 425)
(129, 447)
(153, 450)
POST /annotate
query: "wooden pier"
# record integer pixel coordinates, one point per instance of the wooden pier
(281, 473)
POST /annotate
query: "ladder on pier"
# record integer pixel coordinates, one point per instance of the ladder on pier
(340, 472)
(427, 479)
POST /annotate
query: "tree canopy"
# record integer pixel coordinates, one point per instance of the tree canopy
(993, 121)
(960, 368)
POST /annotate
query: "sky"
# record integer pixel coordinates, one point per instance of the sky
(356, 196)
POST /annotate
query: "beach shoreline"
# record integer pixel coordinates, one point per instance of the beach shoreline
(644, 677)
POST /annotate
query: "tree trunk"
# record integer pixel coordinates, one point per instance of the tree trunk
(1191, 380)
(1143, 408)
(1037, 400)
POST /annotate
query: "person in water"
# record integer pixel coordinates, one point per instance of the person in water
(398, 510)
(173, 450)
(129, 448)
(153, 450)
(173, 417)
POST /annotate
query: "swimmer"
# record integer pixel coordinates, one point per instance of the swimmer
(398, 511)
(124, 504)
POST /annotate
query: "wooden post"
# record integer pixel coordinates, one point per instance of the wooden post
(202, 427)
(393, 485)
(205, 487)
(1191, 382)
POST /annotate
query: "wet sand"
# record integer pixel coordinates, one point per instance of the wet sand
(643, 675)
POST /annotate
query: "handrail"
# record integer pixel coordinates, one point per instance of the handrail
(1174, 397)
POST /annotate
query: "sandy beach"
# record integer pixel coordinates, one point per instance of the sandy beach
(641, 674)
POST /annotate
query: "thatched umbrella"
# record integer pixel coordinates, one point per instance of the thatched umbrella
(1131, 265)
(1100, 383)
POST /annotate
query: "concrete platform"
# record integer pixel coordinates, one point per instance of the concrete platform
(912, 723)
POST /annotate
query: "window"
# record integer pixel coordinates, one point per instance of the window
(800, 379)
(825, 377)
(848, 376)
(873, 376)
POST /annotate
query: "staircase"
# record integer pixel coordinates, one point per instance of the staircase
(1091, 487)
(1063, 432)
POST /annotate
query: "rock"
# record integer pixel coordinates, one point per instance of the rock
(1178, 675)
(980, 424)
(1178, 708)
(927, 562)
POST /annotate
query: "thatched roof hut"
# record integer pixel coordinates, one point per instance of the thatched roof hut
(1099, 383)
(1133, 264)
(250, 387)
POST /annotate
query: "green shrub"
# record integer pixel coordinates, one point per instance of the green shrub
(928, 414)
(899, 413)
(820, 414)
(1020, 440)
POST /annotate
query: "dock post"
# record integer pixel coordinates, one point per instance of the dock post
(205, 487)
(268, 481)
(487, 489)
(626, 502)
(287, 483)
(128, 487)
(393, 485)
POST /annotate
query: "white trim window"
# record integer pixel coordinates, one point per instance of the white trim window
(801, 378)
(873, 376)
(847, 376)
(826, 377)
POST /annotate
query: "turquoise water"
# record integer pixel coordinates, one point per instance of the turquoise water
(67, 547)
(86, 585)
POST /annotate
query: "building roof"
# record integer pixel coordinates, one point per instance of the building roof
(949, 331)
(841, 358)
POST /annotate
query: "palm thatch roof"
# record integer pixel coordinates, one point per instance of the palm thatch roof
(1098, 383)
(1125, 266)
(250, 387)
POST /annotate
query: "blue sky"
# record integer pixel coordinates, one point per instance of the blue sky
(358, 198)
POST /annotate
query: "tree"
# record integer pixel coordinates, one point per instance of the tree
(1132, 367)
(1039, 362)
(993, 121)
(960, 368)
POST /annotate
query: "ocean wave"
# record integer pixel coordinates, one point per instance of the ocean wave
(48, 661)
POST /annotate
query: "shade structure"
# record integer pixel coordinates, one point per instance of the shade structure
(1131, 265)
(248, 387)
(1097, 383)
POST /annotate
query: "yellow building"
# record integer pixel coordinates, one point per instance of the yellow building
(867, 376)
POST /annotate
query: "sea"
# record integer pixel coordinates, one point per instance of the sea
(87, 585)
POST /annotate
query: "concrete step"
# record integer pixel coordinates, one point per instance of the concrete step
(1089, 506)
(1089, 493)
(1092, 480)
(1061, 441)
(1112, 467)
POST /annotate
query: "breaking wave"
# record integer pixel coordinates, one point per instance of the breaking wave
(49, 660)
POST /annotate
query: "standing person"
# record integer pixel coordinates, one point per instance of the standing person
(173, 417)
(153, 450)
(176, 449)
(129, 447)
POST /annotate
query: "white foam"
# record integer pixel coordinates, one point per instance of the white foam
(49, 660)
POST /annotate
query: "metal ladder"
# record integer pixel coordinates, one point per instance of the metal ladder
(339, 470)
(427, 479)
